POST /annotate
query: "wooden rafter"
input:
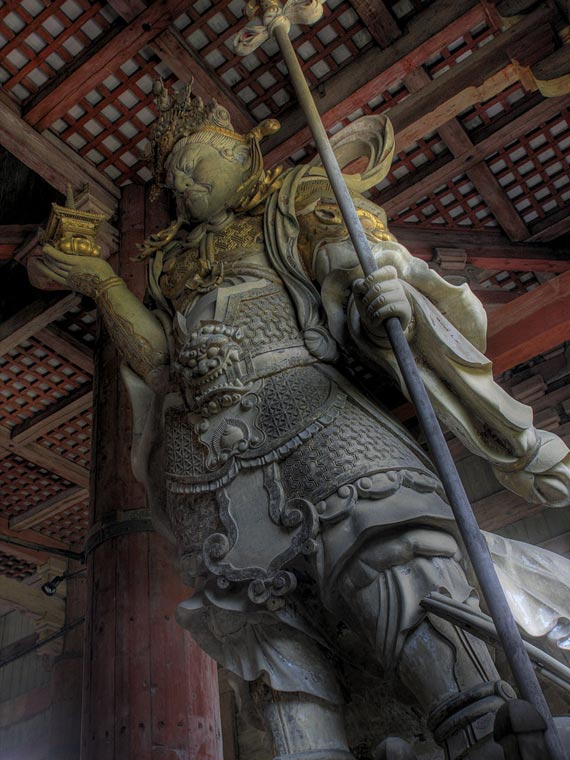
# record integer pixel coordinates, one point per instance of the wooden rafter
(51, 159)
(33, 318)
(489, 141)
(12, 236)
(488, 187)
(49, 509)
(64, 91)
(373, 73)
(484, 73)
(532, 324)
(52, 417)
(485, 249)
(378, 20)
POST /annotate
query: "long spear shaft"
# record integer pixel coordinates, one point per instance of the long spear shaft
(278, 25)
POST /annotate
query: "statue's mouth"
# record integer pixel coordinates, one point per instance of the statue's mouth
(202, 189)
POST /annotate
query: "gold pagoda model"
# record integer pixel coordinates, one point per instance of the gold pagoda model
(72, 230)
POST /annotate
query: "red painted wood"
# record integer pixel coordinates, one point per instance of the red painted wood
(147, 694)
(530, 325)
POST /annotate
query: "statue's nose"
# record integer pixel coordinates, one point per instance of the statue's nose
(182, 182)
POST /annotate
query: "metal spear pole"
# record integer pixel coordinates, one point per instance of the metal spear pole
(277, 23)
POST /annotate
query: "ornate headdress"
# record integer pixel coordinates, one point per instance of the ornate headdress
(184, 115)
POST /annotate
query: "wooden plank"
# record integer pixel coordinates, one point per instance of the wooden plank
(25, 706)
(501, 509)
(68, 87)
(12, 236)
(552, 226)
(378, 20)
(32, 318)
(536, 322)
(486, 250)
(50, 508)
(24, 597)
(52, 417)
(67, 346)
(51, 159)
(430, 31)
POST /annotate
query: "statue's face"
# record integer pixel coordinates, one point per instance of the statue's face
(203, 179)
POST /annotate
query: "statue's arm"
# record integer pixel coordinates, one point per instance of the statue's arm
(446, 332)
(135, 331)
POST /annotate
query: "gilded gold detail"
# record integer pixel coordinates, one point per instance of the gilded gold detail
(73, 231)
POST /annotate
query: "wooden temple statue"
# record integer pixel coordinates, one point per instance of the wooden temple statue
(308, 521)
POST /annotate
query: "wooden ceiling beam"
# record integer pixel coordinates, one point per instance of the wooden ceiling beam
(33, 318)
(484, 249)
(51, 418)
(374, 72)
(378, 20)
(51, 159)
(531, 325)
(479, 77)
(484, 73)
(440, 171)
(56, 98)
(21, 552)
(67, 346)
(49, 509)
(41, 456)
(12, 236)
(488, 187)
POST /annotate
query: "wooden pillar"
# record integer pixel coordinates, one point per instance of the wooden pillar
(149, 692)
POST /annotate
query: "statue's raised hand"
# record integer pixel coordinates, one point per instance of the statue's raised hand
(56, 270)
(379, 297)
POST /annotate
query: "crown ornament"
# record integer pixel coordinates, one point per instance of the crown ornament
(183, 114)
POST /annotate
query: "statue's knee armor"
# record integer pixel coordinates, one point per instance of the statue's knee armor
(302, 727)
(463, 724)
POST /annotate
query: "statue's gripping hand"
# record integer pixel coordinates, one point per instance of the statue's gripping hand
(88, 275)
(379, 297)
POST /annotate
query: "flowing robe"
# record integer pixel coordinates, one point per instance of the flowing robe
(270, 465)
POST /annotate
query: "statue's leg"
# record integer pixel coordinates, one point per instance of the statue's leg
(302, 727)
(447, 671)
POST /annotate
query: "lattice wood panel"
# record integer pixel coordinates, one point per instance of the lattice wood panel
(534, 170)
(454, 204)
(69, 526)
(404, 10)
(513, 282)
(25, 485)
(32, 378)
(16, 568)
(460, 49)
(109, 125)
(80, 323)
(38, 38)
(72, 439)
(260, 79)
(486, 113)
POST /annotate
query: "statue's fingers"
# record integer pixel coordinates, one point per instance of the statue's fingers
(56, 255)
(44, 270)
(399, 310)
(384, 273)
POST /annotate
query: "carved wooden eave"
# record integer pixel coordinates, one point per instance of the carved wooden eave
(479, 95)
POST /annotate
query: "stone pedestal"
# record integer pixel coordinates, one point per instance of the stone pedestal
(149, 693)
